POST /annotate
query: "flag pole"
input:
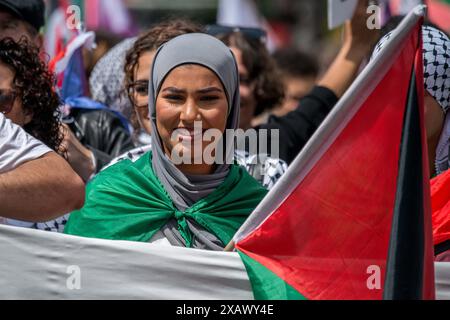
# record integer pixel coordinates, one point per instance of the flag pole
(230, 247)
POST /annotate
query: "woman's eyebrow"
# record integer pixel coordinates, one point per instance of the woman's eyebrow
(173, 90)
(201, 91)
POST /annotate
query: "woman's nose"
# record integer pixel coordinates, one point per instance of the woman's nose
(190, 111)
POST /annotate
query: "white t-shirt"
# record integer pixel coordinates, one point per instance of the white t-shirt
(16, 146)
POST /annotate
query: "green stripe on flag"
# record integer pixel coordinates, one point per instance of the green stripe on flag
(267, 285)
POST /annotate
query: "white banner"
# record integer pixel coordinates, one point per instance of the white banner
(43, 265)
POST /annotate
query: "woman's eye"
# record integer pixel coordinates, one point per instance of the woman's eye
(209, 98)
(173, 97)
(143, 91)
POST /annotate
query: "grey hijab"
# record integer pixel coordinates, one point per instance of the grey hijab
(207, 51)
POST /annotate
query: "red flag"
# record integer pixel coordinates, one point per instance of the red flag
(440, 199)
(336, 226)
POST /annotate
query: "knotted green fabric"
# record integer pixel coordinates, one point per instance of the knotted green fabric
(127, 202)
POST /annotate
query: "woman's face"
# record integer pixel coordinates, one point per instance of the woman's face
(10, 102)
(140, 92)
(189, 94)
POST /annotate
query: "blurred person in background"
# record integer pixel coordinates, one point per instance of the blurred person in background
(299, 75)
(29, 101)
(94, 137)
(19, 18)
(106, 82)
(36, 105)
(36, 184)
(260, 86)
(297, 127)
(138, 62)
(105, 41)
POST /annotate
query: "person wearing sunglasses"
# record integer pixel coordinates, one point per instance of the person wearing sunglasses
(36, 184)
(299, 75)
(27, 98)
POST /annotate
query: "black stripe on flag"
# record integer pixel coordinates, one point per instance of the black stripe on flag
(405, 261)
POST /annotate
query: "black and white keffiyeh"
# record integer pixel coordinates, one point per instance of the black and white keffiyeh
(436, 59)
(107, 79)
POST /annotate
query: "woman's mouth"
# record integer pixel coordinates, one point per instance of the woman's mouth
(187, 134)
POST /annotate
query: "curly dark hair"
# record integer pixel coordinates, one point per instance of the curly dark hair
(262, 68)
(152, 40)
(34, 85)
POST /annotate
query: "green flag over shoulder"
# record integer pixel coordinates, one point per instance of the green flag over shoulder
(127, 202)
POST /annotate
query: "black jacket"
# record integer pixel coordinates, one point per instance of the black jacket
(297, 127)
(102, 132)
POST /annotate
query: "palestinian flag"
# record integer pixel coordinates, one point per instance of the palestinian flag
(351, 218)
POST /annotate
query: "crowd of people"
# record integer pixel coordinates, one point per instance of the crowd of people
(94, 177)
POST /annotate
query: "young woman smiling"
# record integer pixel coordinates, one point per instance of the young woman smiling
(194, 78)
(138, 63)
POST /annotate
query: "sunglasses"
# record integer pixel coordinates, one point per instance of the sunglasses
(7, 98)
(251, 33)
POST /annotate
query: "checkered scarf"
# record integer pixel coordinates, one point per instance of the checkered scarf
(107, 79)
(436, 59)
